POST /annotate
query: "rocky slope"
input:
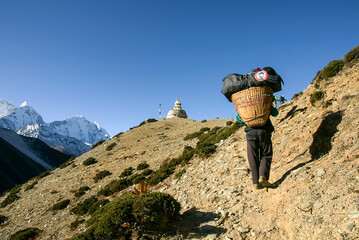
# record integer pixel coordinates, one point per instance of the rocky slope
(315, 171)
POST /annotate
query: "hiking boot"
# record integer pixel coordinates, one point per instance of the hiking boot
(257, 186)
(263, 181)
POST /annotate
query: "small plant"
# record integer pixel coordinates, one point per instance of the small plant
(83, 207)
(31, 186)
(76, 223)
(44, 174)
(203, 121)
(127, 172)
(81, 191)
(11, 197)
(28, 233)
(316, 96)
(3, 219)
(353, 55)
(67, 163)
(332, 69)
(101, 175)
(89, 161)
(110, 147)
(61, 205)
(142, 166)
(98, 144)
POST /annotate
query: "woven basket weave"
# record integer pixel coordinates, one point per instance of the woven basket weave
(254, 105)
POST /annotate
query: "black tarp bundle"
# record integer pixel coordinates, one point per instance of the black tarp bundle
(266, 76)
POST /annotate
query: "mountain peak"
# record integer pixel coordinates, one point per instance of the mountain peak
(24, 104)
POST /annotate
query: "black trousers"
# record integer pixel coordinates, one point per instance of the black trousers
(259, 152)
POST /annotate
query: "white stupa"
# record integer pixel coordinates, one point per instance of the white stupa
(177, 112)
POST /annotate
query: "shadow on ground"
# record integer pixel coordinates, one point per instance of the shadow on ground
(321, 144)
(196, 224)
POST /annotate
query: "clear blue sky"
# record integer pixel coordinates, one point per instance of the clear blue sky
(114, 62)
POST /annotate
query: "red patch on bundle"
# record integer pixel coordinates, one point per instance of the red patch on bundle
(261, 75)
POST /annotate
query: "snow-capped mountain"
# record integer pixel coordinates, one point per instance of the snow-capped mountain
(73, 136)
(79, 128)
(65, 144)
(20, 117)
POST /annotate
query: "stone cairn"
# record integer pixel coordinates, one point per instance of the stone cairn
(177, 112)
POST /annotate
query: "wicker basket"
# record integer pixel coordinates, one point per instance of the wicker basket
(254, 105)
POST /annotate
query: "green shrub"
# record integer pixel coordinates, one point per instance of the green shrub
(61, 205)
(127, 172)
(142, 166)
(353, 55)
(148, 212)
(161, 174)
(205, 129)
(67, 163)
(31, 186)
(89, 161)
(98, 144)
(147, 172)
(203, 121)
(28, 233)
(110, 147)
(3, 219)
(11, 197)
(137, 178)
(44, 174)
(316, 96)
(101, 175)
(332, 69)
(196, 134)
(76, 223)
(97, 205)
(106, 191)
(83, 207)
(114, 186)
(192, 136)
(81, 191)
(187, 154)
(205, 149)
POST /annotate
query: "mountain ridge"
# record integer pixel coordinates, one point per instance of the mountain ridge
(73, 136)
(22, 158)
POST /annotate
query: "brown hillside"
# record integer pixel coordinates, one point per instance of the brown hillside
(315, 170)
